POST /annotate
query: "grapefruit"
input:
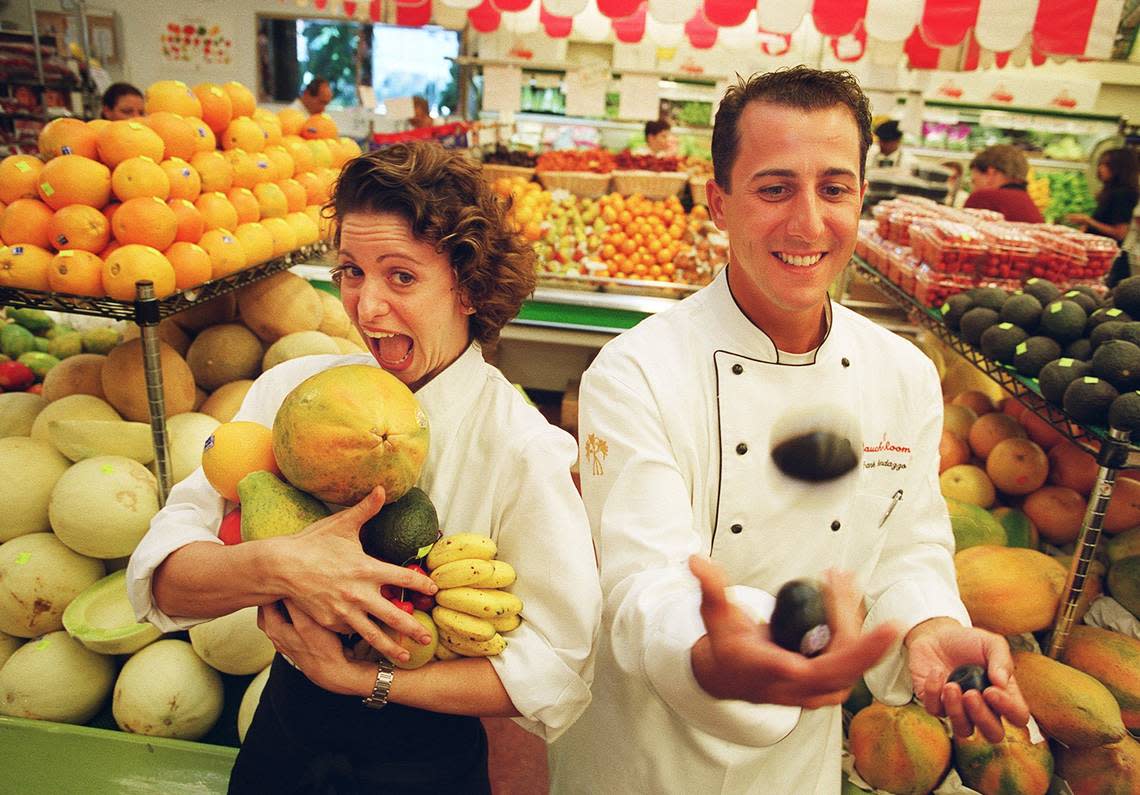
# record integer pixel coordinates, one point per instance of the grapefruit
(19, 175)
(234, 450)
(178, 137)
(140, 177)
(173, 96)
(79, 227)
(185, 182)
(76, 272)
(145, 221)
(67, 136)
(217, 109)
(132, 263)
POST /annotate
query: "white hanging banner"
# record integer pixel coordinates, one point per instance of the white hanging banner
(502, 88)
(585, 89)
(564, 8)
(591, 24)
(465, 5)
(1102, 31)
(891, 20)
(522, 22)
(744, 36)
(1002, 24)
(783, 16)
(639, 101)
(664, 34)
(672, 11)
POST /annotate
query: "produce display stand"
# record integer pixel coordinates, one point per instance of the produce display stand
(1110, 447)
(146, 311)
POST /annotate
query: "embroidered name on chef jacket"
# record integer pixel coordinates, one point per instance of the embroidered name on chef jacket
(886, 453)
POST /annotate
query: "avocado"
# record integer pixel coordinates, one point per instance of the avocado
(34, 320)
(1030, 355)
(1109, 330)
(999, 341)
(1118, 362)
(1022, 309)
(991, 297)
(1126, 295)
(1055, 376)
(975, 322)
(270, 507)
(970, 677)
(1124, 413)
(953, 309)
(1063, 320)
(1042, 289)
(403, 531)
(816, 456)
(1091, 291)
(1079, 349)
(1130, 332)
(1087, 302)
(1088, 399)
(799, 618)
(16, 340)
(1105, 314)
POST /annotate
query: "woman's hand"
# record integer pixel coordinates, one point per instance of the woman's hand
(1082, 219)
(316, 651)
(736, 659)
(328, 576)
(938, 646)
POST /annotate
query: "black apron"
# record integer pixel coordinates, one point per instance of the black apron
(304, 739)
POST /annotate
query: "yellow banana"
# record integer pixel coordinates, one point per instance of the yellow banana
(506, 623)
(480, 602)
(502, 576)
(444, 653)
(473, 648)
(468, 571)
(458, 547)
(462, 625)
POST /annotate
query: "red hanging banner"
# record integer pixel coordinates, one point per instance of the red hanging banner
(1062, 26)
(631, 29)
(921, 54)
(701, 33)
(556, 27)
(838, 17)
(1001, 59)
(728, 13)
(349, 7)
(945, 22)
(618, 9)
(483, 17)
(374, 10)
(973, 54)
(512, 5)
(851, 47)
(320, 5)
(413, 16)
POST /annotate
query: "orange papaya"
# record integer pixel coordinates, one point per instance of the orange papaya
(904, 750)
(1069, 705)
(1113, 660)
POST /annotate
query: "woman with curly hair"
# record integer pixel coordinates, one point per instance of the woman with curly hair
(428, 269)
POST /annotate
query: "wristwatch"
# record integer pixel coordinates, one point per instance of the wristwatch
(379, 696)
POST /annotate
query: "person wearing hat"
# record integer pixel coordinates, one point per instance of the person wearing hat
(887, 150)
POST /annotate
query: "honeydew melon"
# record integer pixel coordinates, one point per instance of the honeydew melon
(249, 703)
(25, 498)
(55, 678)
(102, 619)
(166, 690)
(72, 407)
(188, 432)
(18, 411)
(80, 439)
(102, 506)
(39, 576)
(233, 644)
(297, 344)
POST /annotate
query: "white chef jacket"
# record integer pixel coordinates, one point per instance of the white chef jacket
(677, 418)
(495, 466)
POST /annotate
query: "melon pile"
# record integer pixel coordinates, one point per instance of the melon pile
(203, 185)
(1016, 490)
(85, 495)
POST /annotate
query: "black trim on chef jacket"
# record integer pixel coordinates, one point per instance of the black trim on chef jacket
(308, 741)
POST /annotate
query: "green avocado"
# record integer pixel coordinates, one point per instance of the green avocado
(403, 531)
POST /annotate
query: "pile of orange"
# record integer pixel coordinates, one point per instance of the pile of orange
(643, 236)
(163, 197)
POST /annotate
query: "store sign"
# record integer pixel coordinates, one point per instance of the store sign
(1002, 88)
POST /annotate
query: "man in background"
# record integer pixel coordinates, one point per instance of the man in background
(887, 151)
(315, 97)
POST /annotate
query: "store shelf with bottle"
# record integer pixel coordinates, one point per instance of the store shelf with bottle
(37, 84)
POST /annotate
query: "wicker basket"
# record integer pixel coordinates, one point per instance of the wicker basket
(697, 190)
(493, 171)
(650, 184)
(586, 184)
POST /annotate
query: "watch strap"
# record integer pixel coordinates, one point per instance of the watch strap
(378, 698)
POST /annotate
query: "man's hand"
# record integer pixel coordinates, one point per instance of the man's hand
(936, 647)
(736, 658)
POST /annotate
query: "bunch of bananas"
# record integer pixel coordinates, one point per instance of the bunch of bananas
(1038, 190)
(471, 611)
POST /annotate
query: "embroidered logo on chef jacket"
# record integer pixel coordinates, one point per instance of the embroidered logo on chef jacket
(596, 449)
(885, 452)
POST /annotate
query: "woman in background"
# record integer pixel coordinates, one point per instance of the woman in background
(998, 174)
(1117, 171)
(122, 101)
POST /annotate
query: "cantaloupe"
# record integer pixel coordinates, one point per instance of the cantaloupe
(281, 304)
(80, 439)
(169, 332)
(39, 577)
(75, 375)
(296, 345)
(72, 407)
(102, 619)
(200, 396)
(225, 401)
(224, 353)
(18, 411)
(233, 644)
(186, 433)
(8, 645)
(334, 321)
(102, 506)
(25, 497)
(165, 690)
(55, 678)
(124, 381)
(249, 701)
(223, 309)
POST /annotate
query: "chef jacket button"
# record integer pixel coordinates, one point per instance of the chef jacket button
(835, 526)
(845, 362)
(737, 369)
(737, 528)
(741, 448)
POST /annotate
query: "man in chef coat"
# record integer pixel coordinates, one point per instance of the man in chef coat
(678, 417)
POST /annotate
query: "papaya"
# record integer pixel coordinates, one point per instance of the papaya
(1112, 769)
(904, 750)
(974, 526)
(1009, 590)
(1124, 583)
(1113, 659)
(1093, 588)
(1016, 764)
(1069, 705)
(1124, 545)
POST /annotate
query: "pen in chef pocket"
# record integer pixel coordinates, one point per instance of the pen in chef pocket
(895, 499)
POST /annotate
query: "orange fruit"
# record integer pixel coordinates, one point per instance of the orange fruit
(111, 247)
(243, 133)
(122, 139)
(76, 272)
(225, 250)
(264, 169)
(97, 125)
(109, 210)
(350, 147)
(131, 263)
(241, 98)
(79, 227)
(245, 203)
(191, 225)
(295, 195)
(67, 137)
(173, 96)
(185, 182)
(72, 179)
(322, 153)
(217, 109)
(304, 227)
(26, 221)
(139, 176)
(282, 161)
(19, 175)
(243, 166)
(191, 264)
(284, 238)
(314, 187)
(292, 120)
(214, 170)
(145, 221)
(234, 450)
(300, 152)
(178, 138)
(324, 223)
(25, 267)
(319, 125)
(271, 199)
(256, 241)
(217, 211)
(204, 138)
(269, 124)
